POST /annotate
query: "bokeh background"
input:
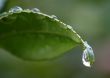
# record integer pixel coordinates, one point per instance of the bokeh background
(90, 18)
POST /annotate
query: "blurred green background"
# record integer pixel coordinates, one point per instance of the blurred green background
(90, 18)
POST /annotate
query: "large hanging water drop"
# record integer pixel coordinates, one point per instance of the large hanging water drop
(16, 9)
(88, 55)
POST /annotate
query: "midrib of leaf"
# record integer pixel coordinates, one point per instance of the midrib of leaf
(14, 32)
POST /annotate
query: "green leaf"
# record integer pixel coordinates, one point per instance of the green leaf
(33, 35)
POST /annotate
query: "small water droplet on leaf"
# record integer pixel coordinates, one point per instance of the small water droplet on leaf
(69, 27)
(16, 9)
(35, 10)
(88, 55)
(53, 16)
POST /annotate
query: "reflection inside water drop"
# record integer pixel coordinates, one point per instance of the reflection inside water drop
(16, 9)
(88, 55)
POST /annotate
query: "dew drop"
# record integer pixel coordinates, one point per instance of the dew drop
(35, 10)
(53, 16)
(70, 27)
(88, 55)
(16, 9)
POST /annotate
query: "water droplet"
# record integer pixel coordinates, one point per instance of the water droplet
(16, 9)
(35, 10)
(53, 16)
(70, 27)
(88, 55)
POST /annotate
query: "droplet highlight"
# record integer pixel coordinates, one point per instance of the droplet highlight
(69, 27)
(35, 10)
(53, 16)
(16, 9)
(88, 57)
